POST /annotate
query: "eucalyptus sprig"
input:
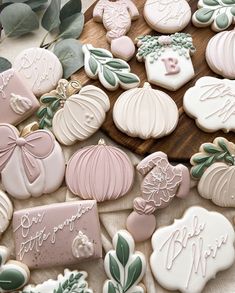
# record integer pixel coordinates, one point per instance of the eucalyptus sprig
(210, 153)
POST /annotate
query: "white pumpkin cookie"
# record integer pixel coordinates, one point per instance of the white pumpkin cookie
(145, 113)
(188, 253)
(33, 158)
(73, 116)
(6, 211)
(214, 167)
(211, 102)
(167, 59)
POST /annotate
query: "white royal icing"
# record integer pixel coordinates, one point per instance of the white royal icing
(20, 105)
(81, 246)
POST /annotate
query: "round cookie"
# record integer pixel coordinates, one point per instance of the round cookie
(167, 16)
(220, 53)
(145, 113)
(41, 69)
(123, 48)
(188, 253)
(99, 172)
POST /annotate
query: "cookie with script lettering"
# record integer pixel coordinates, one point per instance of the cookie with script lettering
(211, 103)
(188, 253)
(57, 234)
(167, 16)
(70, 280)
(214, 168)
(167, 59)
(33, 158)
(40, 68)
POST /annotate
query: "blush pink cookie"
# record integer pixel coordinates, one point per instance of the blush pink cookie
(33, 158)
(57, 234)
(17, 101)
(220, 54)
(99, 172)
(162, 182)
(41, 69)
(123, 48)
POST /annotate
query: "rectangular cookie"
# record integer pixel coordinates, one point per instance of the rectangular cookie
(17, 101)
(57, 234)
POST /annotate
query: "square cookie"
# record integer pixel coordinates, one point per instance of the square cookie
(17, 101)
(57, 234)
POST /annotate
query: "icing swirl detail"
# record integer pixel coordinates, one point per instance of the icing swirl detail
(20, 105)
(82, 247)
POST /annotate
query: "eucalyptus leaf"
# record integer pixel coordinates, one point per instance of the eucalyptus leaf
(122, 250)
(4, 64)
(228, 1)
(18, 19)
(51, 17)
(127, 78)
(36, 4)
(114, 268)
(72, 26)
(223, 145)
(70, 8)
(70, 54)
(109, 76)
(222, 21)
(211, 2)
(134, 272)
(200, 159)
(93, 65)
(198, 170)
(204, 14)
(111, 288)
(117, 64)
(210, 148)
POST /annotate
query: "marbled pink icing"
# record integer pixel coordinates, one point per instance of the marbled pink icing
(11, 85)
(44, 235)
(220, 54)
(99, 172)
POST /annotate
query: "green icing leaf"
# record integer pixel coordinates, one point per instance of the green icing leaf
(210, 148)
(100, 53)
(72, 26)
(211, 2)
(204, 14)
(109, 76)
(223, 145)
(70, 8)
(127, 77)
(222, 21)
(51, 17)
(4, 64)
(111, 288)
(228, 2)
(200, 159)
(134, 272)
(18, 19)
(197, 171)
(114, 268)
(93, 65)
(48, 99)
(117, 64)
(232, 11)
(11, 279)
(122, 250)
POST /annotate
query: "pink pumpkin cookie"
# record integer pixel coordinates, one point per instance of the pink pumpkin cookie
(99, 172)
(17, 101)
(33, 158)
(57, 234)
(162, 182)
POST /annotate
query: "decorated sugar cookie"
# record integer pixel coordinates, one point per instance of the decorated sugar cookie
(162, 182)
(111, 72)
(211, 102)
(99, 172)
(145, 113)
(17, 101)
(220, 54)
(6, 211)
(74, 113)
(33, 158)
(116, 16)
(41, 69)
(167, 59)
(123, 48)
(13, 274)
(220, 14)
(57, 234)
(167, 16)
(214, 167)
(124, 266)
(69, 282)
(192, 250)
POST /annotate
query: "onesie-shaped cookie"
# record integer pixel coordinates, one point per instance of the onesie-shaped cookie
(162, 182)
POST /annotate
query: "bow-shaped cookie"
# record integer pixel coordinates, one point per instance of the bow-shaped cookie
(34, 146)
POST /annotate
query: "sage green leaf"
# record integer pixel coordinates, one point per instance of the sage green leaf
(70, 54)
(99, 53)
(72, 26)
(229, 159)
(197, 171)
(134, 272)
(11, 280)
(55, 105)
(233, 11)
(49, 112)
(48, 99)
(210, 148)
(211, 2)
(111, 288)
(4, 64)
(70, 8)
(222, 21)
(13, 1)
(18, 19)
(51, 17)
(36, 4)
(122, 250)
(200, 159)
(209, 161)
(204, 14)
(47, 122)
(42, 123)
(117, 64)
(228, 1)
(41, 112)
(109, 76)
(127, 77)
(223, 145)
(114, 268)
(93, 65)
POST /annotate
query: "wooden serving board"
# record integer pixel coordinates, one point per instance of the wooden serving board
(187, 138)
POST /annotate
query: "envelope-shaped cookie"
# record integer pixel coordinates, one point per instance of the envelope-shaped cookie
(57, 234)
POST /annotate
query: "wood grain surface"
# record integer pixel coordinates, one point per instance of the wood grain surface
(187, 138)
